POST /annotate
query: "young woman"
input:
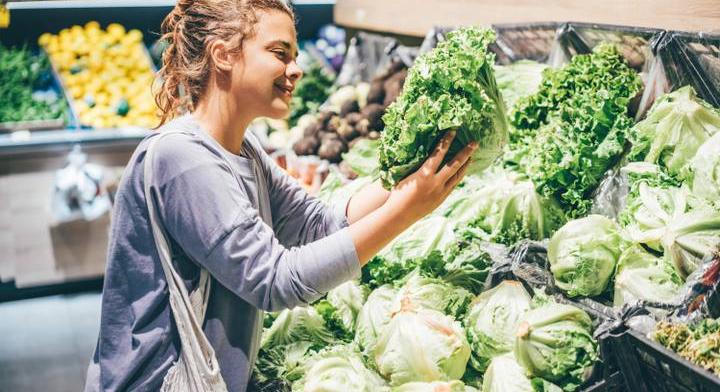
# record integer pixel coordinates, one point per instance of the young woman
(227, 212)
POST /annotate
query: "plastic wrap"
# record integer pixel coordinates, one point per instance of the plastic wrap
(690, 59)
(370, 54)
(529, 41)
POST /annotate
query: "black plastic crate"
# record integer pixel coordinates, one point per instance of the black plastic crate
(692, 59)
(647, 366)
(636, 44)
(516, 41)
(527, 41)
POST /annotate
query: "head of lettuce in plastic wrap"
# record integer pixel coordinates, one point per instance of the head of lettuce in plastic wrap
(437, 97)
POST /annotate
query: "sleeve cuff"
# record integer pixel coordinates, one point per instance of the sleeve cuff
(335, 262)
(339, 211)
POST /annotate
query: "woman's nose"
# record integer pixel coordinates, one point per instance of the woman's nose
(294, 72)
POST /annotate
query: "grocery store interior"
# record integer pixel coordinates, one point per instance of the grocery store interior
(579, 250)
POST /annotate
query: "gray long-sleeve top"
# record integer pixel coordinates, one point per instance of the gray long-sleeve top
(266, 244)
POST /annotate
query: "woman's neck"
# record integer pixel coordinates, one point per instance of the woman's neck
(218, 114)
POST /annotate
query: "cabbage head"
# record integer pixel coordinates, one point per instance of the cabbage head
(675, 127)
(297, 324)
(341, 307)
(492, 321)
(435, 386)
(293, 335)
(505, 375)
(583, 254)
(421, 345)
(642, 276)
(338, 368)
(373, 317)
(555, 342)
(432, 293)
(506, 208)
(705, 171)
(690, 238)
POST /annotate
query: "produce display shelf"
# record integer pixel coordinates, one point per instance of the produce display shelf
(23, 139)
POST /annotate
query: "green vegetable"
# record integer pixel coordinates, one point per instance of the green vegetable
(518, 80)
(284, 346)
(705, 171)
(300, 323)
(421, 345)
(642, 276)
(431, 293)
(650, 210)
(573, 129)
(373, 317)
(21, 72)
(363, 158)
(451, 87)
(403, 254)
(492, 321)
(583, 254)
(555, 342)
(676, 126)
(506, 208)
(341, 307)
(698, 343)
(690, 238)
(600, 76)
(505, 375)
(466, 264)
(435, 386)
(311, 91)
(338, 368)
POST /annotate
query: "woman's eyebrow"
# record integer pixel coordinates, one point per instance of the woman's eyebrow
(286, 44)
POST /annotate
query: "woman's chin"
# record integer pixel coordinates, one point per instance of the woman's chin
(278, 110)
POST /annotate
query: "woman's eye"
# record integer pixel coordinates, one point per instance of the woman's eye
(280, 53)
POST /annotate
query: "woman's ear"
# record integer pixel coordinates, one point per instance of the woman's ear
(221, 56)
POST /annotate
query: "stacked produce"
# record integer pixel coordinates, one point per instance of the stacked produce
(698, 342)
(351, 114)
(574, 128)
(421, 316)
(422, 330)
(25, 82)
(670, 222)
(107, 73)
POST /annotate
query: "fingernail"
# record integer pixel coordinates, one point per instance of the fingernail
(474, 145)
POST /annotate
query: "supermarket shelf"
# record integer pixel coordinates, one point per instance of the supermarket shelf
(21, 140)
(420, 16)
(60, 4)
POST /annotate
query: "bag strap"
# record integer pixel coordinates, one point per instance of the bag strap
(188, 309)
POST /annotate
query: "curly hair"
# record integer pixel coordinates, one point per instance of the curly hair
(189, 29)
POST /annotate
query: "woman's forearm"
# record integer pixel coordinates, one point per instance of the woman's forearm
(367, 200)
(376, 229)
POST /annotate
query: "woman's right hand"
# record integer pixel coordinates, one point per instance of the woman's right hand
(421, 192)
(413, 198)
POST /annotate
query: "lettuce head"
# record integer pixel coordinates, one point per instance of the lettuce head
(451, 87)
(555, 342)
(583, 255)
(338, 368)
(492, 321)
(642, 276)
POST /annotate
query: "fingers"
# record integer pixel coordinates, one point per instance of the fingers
(452, 167)
(432, 164)
(457, 177)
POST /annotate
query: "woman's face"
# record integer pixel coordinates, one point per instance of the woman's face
(265, 73)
